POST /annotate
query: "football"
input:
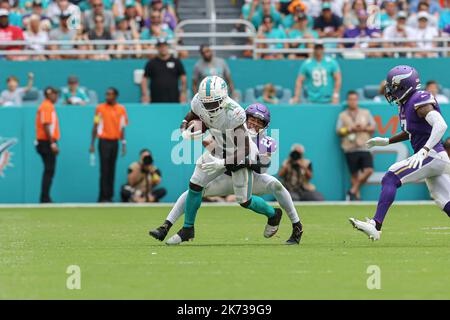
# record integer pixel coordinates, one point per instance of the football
(198, 125)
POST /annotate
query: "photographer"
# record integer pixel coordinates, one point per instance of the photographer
(143, 177)
(297, 173)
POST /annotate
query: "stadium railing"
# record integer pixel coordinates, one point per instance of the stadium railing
(254, 44)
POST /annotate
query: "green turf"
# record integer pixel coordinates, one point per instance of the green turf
(229, 258)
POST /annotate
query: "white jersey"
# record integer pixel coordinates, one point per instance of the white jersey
(222, 125)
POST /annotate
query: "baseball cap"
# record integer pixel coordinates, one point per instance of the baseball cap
(422, 15)
(4, 12)
(161, 41)
(64, 15)
(37, 3)
(326, 6)
(402, 15)
(156, 1)
(130, 3)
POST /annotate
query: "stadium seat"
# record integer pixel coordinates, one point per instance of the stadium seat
(252, 94)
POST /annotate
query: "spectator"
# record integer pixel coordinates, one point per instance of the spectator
(269, 94)
(319, 78)
(351, 17)
(388, 17)
(300, 30)
(328, 24)
(164, 72)
(10, 33)
(15, 14)
(81, 35)
(62, 33)
(296, 174)
(119, 7)
(260, 9)
(423, 11)
(61, 7)
(355, 126)
(109, 127)
(433, 87)
(425, 32)
(295, 9)
(361, 31)
(47, 136)
(98, 9)
(267, 31)
(157, 29)
(399, 30)
(73, 94)
(447, 146)
(133, 15)
(210, 65)
(432, 4)
(37, 9)
(125, 32)
(13, 95)
(143, 178)
(444, 17)
(100, 33)
(36, 35)
(168, 18)
(314, 7)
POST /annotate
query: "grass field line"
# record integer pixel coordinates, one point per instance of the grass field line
(206, 204)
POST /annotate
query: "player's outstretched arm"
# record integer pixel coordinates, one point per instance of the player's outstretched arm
(382, 142)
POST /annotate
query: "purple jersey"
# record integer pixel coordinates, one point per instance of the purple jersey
(418, 128)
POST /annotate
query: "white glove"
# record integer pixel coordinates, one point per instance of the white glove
(188, 134)
(377, 142)
(416, 160)
(214, 165)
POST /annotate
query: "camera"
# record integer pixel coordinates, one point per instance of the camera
(147, 160)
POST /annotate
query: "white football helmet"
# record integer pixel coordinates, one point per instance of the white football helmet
(212, 92)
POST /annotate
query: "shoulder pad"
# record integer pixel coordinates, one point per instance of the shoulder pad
(422, 97)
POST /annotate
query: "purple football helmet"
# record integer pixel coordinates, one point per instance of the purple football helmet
(401, 82)
(259, 111)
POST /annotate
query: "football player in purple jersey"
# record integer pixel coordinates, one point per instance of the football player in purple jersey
(258, 119)
(422, 124)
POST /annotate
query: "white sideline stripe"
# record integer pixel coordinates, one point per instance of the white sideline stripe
(206, 204)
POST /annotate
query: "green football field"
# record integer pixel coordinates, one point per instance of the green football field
(229, 258)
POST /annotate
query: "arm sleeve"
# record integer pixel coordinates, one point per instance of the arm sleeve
(180, 68)
(148, 70)
(439, 127)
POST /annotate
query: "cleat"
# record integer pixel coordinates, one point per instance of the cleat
(368, 227)
(296, 236)
(185, 234)
(273, 224)
(159, 233)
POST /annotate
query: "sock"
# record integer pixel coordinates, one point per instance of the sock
(178, 208)
(447, 208)
(389, 186)
(167, 224)
(193, 202)
(259, 205)
(285, 200)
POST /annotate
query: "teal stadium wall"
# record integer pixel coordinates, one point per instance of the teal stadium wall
(152, 126)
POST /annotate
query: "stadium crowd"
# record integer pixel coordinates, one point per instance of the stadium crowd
(42, 20)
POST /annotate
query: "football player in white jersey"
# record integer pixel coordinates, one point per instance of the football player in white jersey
(258, 120)
(234, 151)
